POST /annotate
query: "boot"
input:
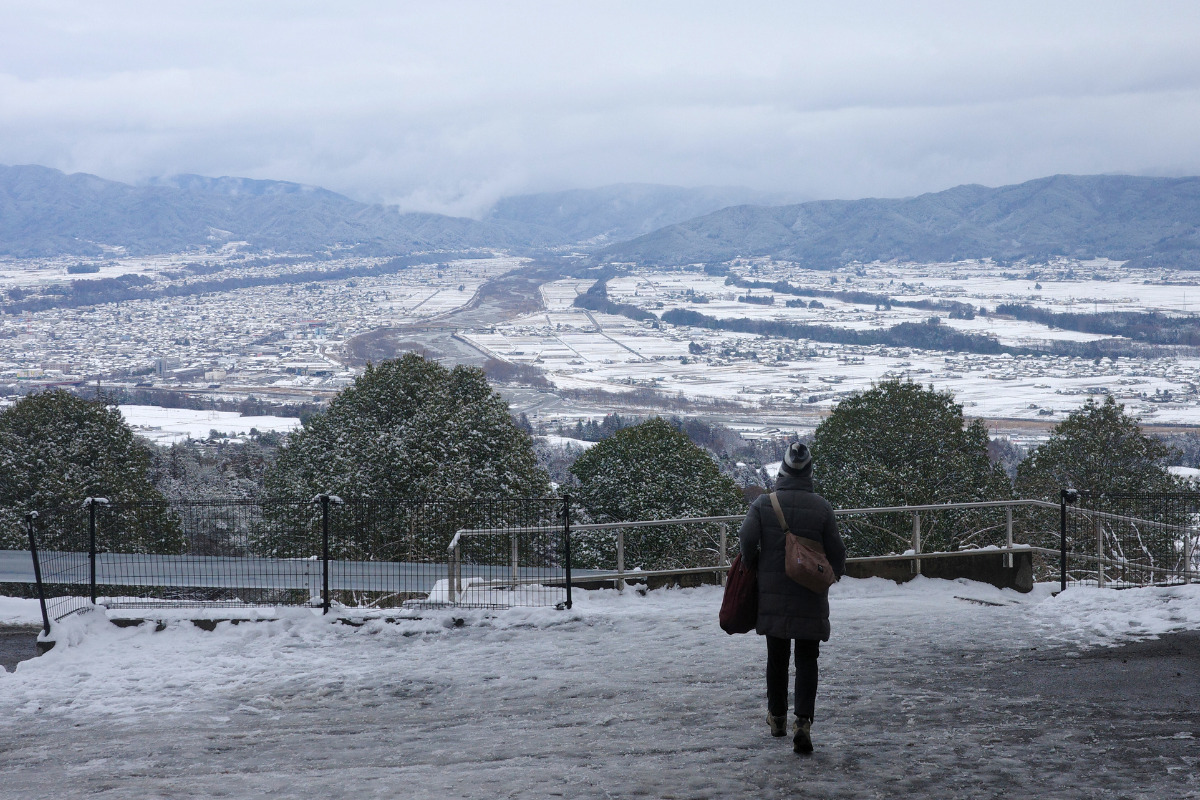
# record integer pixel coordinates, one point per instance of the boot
(802, 738)
(778, 724)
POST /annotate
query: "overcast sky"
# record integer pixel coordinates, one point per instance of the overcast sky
(448, 105)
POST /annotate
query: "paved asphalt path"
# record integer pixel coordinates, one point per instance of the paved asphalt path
(17, 643)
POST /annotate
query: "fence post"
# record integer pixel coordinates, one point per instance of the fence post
(724, 563)
(450, 575)
(1064, 496)
(516, 578)
(91, 503)
(1187, 556)
(567, 543)
(620, 559)
(916, 542)
(1008, 542)
(1100, 580)
(37, 571)
(324, 554)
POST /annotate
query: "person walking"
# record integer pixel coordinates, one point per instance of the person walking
(787, 611)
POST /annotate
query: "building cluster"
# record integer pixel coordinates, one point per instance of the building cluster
(284, 339)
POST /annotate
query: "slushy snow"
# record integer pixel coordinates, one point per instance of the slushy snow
(624, 695)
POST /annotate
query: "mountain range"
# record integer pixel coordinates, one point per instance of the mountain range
(1152, 221)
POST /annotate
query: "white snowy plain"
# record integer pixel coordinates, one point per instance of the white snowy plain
(621, 696)
(165, 426)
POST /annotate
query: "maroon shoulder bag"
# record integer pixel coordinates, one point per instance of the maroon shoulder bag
(739, 607)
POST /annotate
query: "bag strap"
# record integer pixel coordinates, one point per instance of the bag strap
(809, 543)
(779, 513)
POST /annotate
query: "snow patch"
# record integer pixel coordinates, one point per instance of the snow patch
(20, 611)
(1089, 616)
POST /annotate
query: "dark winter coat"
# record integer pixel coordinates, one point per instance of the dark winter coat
(785, 608)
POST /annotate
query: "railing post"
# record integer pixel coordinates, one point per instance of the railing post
(450, 575)
(567, 543)
(1100, 578)
(37, 571)
(458, 585)
(724, 562)
(916, 542)
(515, 564)
(324, 554)
(1187, 556)
(1008, 537)
(91, 501)
(1064, 496)
(620, 559)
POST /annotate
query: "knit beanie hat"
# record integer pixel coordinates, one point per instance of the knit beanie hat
(797, 459)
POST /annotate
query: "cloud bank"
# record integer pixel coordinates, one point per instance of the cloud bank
(449, 106)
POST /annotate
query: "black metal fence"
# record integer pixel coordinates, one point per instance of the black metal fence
(325, 552)
(1119, 539)
(490, 552)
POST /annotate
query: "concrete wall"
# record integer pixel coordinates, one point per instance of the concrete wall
(983, 567)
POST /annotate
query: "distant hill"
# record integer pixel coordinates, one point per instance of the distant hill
(1151, 220)
(621, 211)
(46, 212)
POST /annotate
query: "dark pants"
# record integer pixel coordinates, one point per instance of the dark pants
(778, 655)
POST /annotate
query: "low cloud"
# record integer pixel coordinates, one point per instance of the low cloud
(446, 108)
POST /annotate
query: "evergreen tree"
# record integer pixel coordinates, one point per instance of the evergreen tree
(1097, 448)
(409, 430)
(57, 449)
(900, 444)
(1100, 450)
(651, 471)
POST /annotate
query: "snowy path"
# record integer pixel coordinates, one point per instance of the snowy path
(621, 697)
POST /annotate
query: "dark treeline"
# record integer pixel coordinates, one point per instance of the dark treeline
(1142, 326)
(592, 431)
(504, 372)
(596, 299)
(643, 397)
(136, 287)
(953, 308)
(1185, 448)
(922, 335)
(249, 406)
(200, 268)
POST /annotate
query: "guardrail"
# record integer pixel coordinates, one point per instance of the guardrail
(620, 575)
(381, 553)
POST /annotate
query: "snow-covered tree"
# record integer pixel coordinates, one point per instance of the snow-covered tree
(651, 471)
(409, 430)
(1097, 448)
(57, 449)
(195, 470)
(899, 444)
(1101, 450)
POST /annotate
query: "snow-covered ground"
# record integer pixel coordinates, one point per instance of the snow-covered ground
(19, 611)
(622, 696)
(166, 426)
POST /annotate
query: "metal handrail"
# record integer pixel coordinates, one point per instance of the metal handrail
(654, 523)
(621, 574)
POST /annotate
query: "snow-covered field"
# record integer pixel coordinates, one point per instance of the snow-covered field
(622, 696)
(590, 350)
(169, 425)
